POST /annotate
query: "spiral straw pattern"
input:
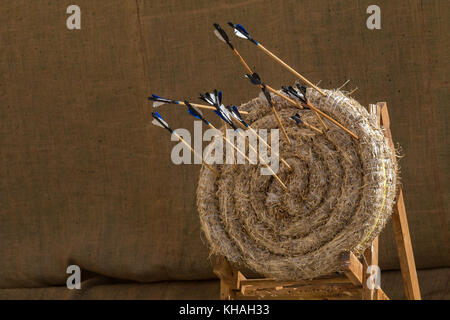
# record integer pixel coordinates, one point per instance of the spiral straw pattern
(340, 193)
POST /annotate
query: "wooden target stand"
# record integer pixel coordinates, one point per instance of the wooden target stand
(351, 282)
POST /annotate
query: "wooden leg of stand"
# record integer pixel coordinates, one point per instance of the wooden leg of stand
(230, 279)
(352, 268)
(401, 229)
(405, 252)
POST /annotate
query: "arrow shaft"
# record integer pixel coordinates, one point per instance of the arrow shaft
(270, 148)
(202, 106)
(243, 61)
(280, 124)
(332, 120)
(312, 127)
(243, 154)
(267, 166)
(298, 75)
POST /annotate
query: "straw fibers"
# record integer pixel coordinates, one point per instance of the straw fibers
(341, 193)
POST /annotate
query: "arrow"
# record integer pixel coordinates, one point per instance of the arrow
(195, 113)
(234, 112)
(294, 102)
(240, 31)
(312, 107)
(160, 122)
(215, 99)
(299, 121)
(223, 36)
(256, 80)
(300, 94)
(158, 101)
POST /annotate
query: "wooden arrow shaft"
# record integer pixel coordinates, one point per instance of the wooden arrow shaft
(268, 167)
(263, 141)
(270, 148)
(241, 153)
(332, 120)
(298, 75)
(202, 106)
(298, 105)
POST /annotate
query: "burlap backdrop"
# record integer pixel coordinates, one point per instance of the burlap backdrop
(85, 179)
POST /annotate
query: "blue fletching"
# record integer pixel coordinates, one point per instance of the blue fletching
(158, 115)
(221, 115)
(241, 28)
(219, 97)
(193, 113)
(154, 97)
(254, 78)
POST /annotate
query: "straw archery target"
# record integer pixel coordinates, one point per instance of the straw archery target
(340, 193)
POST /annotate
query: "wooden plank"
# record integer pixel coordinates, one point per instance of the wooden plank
(352, 268)
(380, 295)
(405, 251)
(370, 258)
(401, 229)
(326, 291)
(271, 283)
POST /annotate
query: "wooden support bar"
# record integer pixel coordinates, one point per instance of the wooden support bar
(405, 251)
(351, 285)
(380, 295)
(352, 268)
(272, 283)
(401, 229)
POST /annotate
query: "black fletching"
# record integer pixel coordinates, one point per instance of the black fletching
(302, 89)
(297, 118)
(207, 98)
(254, 78)
(224, 35)
(285, 90)
(194, 112)
(297, 94)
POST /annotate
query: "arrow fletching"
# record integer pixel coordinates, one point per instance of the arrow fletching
(240, 32)
(195, 112)
(218, 97)
(158, 101)
(159, 121)
(222, 35)
(225, 116)
(209, 98)
(267, 95)
(255, 79)
(302, 89)
(296, 118)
